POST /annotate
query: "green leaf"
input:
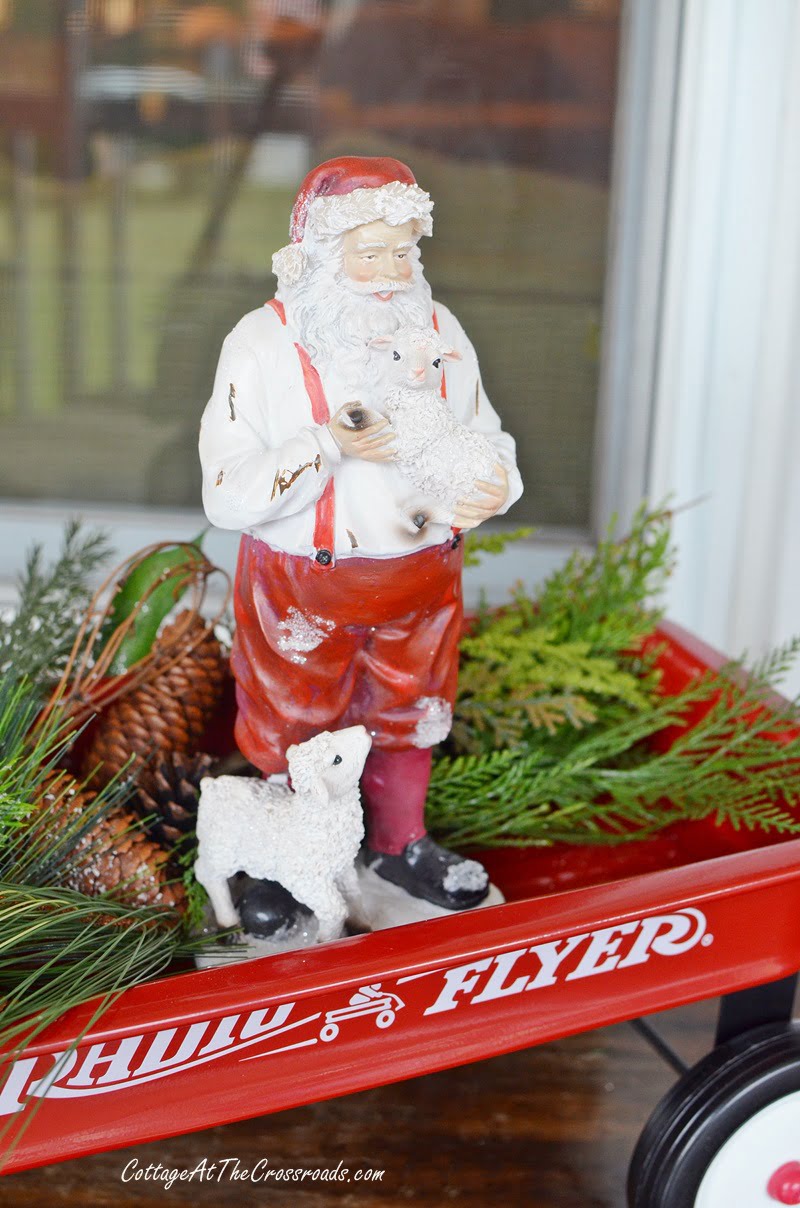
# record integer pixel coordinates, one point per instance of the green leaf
(153, 587)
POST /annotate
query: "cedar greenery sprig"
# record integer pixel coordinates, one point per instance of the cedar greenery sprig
(477, 544)
(738, 761)
(606, 597)
(516, 677)
(195, 908)
(569, 657)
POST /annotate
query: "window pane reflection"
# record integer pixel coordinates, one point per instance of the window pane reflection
(149, 157)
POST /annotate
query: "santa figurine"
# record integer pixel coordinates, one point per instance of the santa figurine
(347, 614)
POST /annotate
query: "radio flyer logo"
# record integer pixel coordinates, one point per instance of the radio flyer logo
(115, 1065)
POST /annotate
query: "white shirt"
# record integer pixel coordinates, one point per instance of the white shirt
(258, 434)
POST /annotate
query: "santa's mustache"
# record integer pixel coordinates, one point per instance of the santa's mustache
(364, 288)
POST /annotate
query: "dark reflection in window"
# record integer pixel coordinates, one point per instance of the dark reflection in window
(149, 154)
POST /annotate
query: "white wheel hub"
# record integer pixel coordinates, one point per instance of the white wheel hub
(759, 1166)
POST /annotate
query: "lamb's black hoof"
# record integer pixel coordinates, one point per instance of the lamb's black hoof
(268, 911)
(426, 870)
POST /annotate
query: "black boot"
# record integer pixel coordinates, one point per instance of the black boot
(268, 911)
(426, 870)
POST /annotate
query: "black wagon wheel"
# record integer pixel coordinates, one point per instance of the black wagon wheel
(727, 1135)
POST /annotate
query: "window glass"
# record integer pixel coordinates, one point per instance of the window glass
(149, 158)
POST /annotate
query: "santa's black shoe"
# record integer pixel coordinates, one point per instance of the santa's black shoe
(430, 872)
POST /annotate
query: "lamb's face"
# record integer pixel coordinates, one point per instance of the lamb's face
(329, 765)
(421, 357)
(416, 356)
(344, 759)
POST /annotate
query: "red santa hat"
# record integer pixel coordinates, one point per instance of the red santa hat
(349, 192)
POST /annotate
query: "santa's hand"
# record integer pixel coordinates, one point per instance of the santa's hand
(371, 442)
(472, 512)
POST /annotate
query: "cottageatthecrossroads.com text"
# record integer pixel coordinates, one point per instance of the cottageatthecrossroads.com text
(232, 1170)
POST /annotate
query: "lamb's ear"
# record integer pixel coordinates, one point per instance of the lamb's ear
(381, 342)
(304, 771)
(318, 793)
(291, 759)
(452, 355)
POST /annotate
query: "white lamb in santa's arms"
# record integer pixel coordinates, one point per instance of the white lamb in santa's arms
(432, 449)
(306, 838)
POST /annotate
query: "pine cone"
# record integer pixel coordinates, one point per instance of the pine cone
(115, 854)
(174, 796)
(169, 714)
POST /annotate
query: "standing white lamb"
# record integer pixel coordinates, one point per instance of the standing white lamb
(432, 449)
(305, 838)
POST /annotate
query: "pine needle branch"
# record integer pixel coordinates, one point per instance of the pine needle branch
(59, 948)
(36, 637)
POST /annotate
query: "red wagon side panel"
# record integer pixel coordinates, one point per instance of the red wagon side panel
(202, 1049)
(207, 1048)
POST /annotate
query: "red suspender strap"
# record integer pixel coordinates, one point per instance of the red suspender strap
(323, 523)
(313, 385)
(444, 383)
(324, 514)
(456, 530)
(279, 308)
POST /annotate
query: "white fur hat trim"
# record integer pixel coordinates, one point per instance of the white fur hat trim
(289, 263)
(394, 203)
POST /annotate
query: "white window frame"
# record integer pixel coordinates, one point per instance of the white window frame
(643, 136)
(725, 425)
(641, 192)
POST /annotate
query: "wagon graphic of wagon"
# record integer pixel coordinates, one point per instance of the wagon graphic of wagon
(367, 1000)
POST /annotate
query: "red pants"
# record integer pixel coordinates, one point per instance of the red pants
(369, 640)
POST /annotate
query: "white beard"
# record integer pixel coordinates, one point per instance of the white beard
(336, 319)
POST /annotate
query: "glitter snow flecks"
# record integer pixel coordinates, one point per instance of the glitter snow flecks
(466, 876)
(434, 723)
(302, 634)
(234, 500)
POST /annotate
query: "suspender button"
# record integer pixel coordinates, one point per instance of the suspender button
(324, 557)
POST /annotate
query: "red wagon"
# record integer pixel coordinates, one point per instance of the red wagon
(587, 937)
